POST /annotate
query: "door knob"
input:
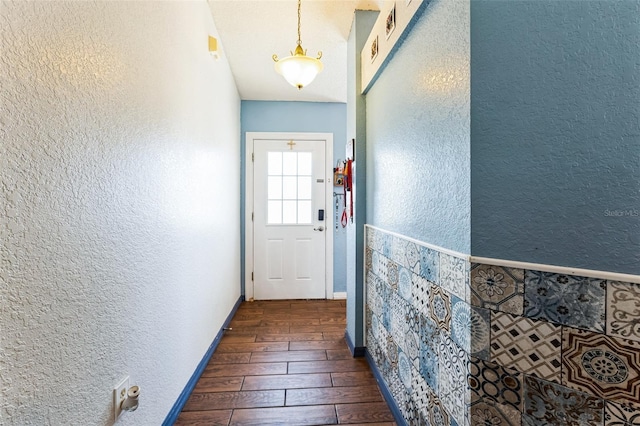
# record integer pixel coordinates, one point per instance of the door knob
(319, 228)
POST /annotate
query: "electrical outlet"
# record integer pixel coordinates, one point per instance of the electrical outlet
(119, 395)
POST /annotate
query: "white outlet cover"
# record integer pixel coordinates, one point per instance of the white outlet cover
(119, 395)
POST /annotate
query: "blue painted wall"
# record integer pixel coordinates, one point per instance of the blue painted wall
(312, 117)
(418, 154)
(555, 132)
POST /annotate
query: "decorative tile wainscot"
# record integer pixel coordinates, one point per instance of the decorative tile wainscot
(460, 343)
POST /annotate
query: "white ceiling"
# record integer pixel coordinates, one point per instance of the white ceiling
(253, 30)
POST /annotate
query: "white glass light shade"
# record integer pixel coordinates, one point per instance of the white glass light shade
(299, 70)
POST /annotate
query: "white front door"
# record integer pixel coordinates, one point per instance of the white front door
(289, 237)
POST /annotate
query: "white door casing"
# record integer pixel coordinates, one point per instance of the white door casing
(289, 251)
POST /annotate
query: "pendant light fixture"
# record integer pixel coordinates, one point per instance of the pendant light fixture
(298, 69)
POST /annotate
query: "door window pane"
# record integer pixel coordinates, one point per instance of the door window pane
(289, 214)
(274, 163)
(274, 191)
(289, 188)
(274, 212)
(304, 188)
(304, 163)
(290, 163)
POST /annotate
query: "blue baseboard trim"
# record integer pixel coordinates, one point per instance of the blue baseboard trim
(356, 351)
(386, 393)
(172, 417)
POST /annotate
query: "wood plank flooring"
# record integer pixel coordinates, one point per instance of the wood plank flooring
(286, 363)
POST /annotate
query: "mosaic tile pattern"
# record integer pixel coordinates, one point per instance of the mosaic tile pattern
(498, 288)
(440, 308)
(492, 382)
(470, 328)
(412, 257)
(399, 325)
(398, 247)
(570, 300)
(532, 341)
(420, 293)
(452, 386)
(430, 264)
(461, 323)
(405, 284)
(480, 323)
(547, 403)
(392, 274)
(623, 310)
(530, 346)
(421, 394)
(453, 276)
(488, 413)
(429, 360)
(620, 415)
(602, 366)
(438, 416)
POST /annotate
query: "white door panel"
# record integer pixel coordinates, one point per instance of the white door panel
(289, 246)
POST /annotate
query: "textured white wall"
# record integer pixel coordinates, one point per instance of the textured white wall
(119, 197)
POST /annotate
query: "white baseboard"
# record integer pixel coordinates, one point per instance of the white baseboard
(340, 295)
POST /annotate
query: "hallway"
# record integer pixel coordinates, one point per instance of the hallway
(286, 362)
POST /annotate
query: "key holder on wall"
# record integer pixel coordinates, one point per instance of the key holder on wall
(338, 174)
(337, 209)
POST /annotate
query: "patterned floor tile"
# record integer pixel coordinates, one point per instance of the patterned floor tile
(547, 403)
(410, 412)
(420, 291)
(454, 276)
(470, 328)
(602, 366)
(392, 274)
(412, 257)
(405, 370)
(429, 338)
(399, 324)
(530, 346)
(411, 345)
(375, 262)
(369, 259)
(620, 415)
(480, 333)
(440, 308)
(398, 248)
(438, 415)
(386, 244)
(452, 379)
(461, 323)
(565, 299)
(430, 264)
(498, 288)
(488, 413)
(371, 238)
(405, 284)
(623, 310)
(492, 382)
(420, 393)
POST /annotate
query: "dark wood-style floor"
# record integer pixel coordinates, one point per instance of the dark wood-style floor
(286, 363)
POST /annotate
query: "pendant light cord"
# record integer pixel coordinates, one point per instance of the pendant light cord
(299, 37)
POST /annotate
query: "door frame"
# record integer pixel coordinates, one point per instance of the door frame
(250, 137)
